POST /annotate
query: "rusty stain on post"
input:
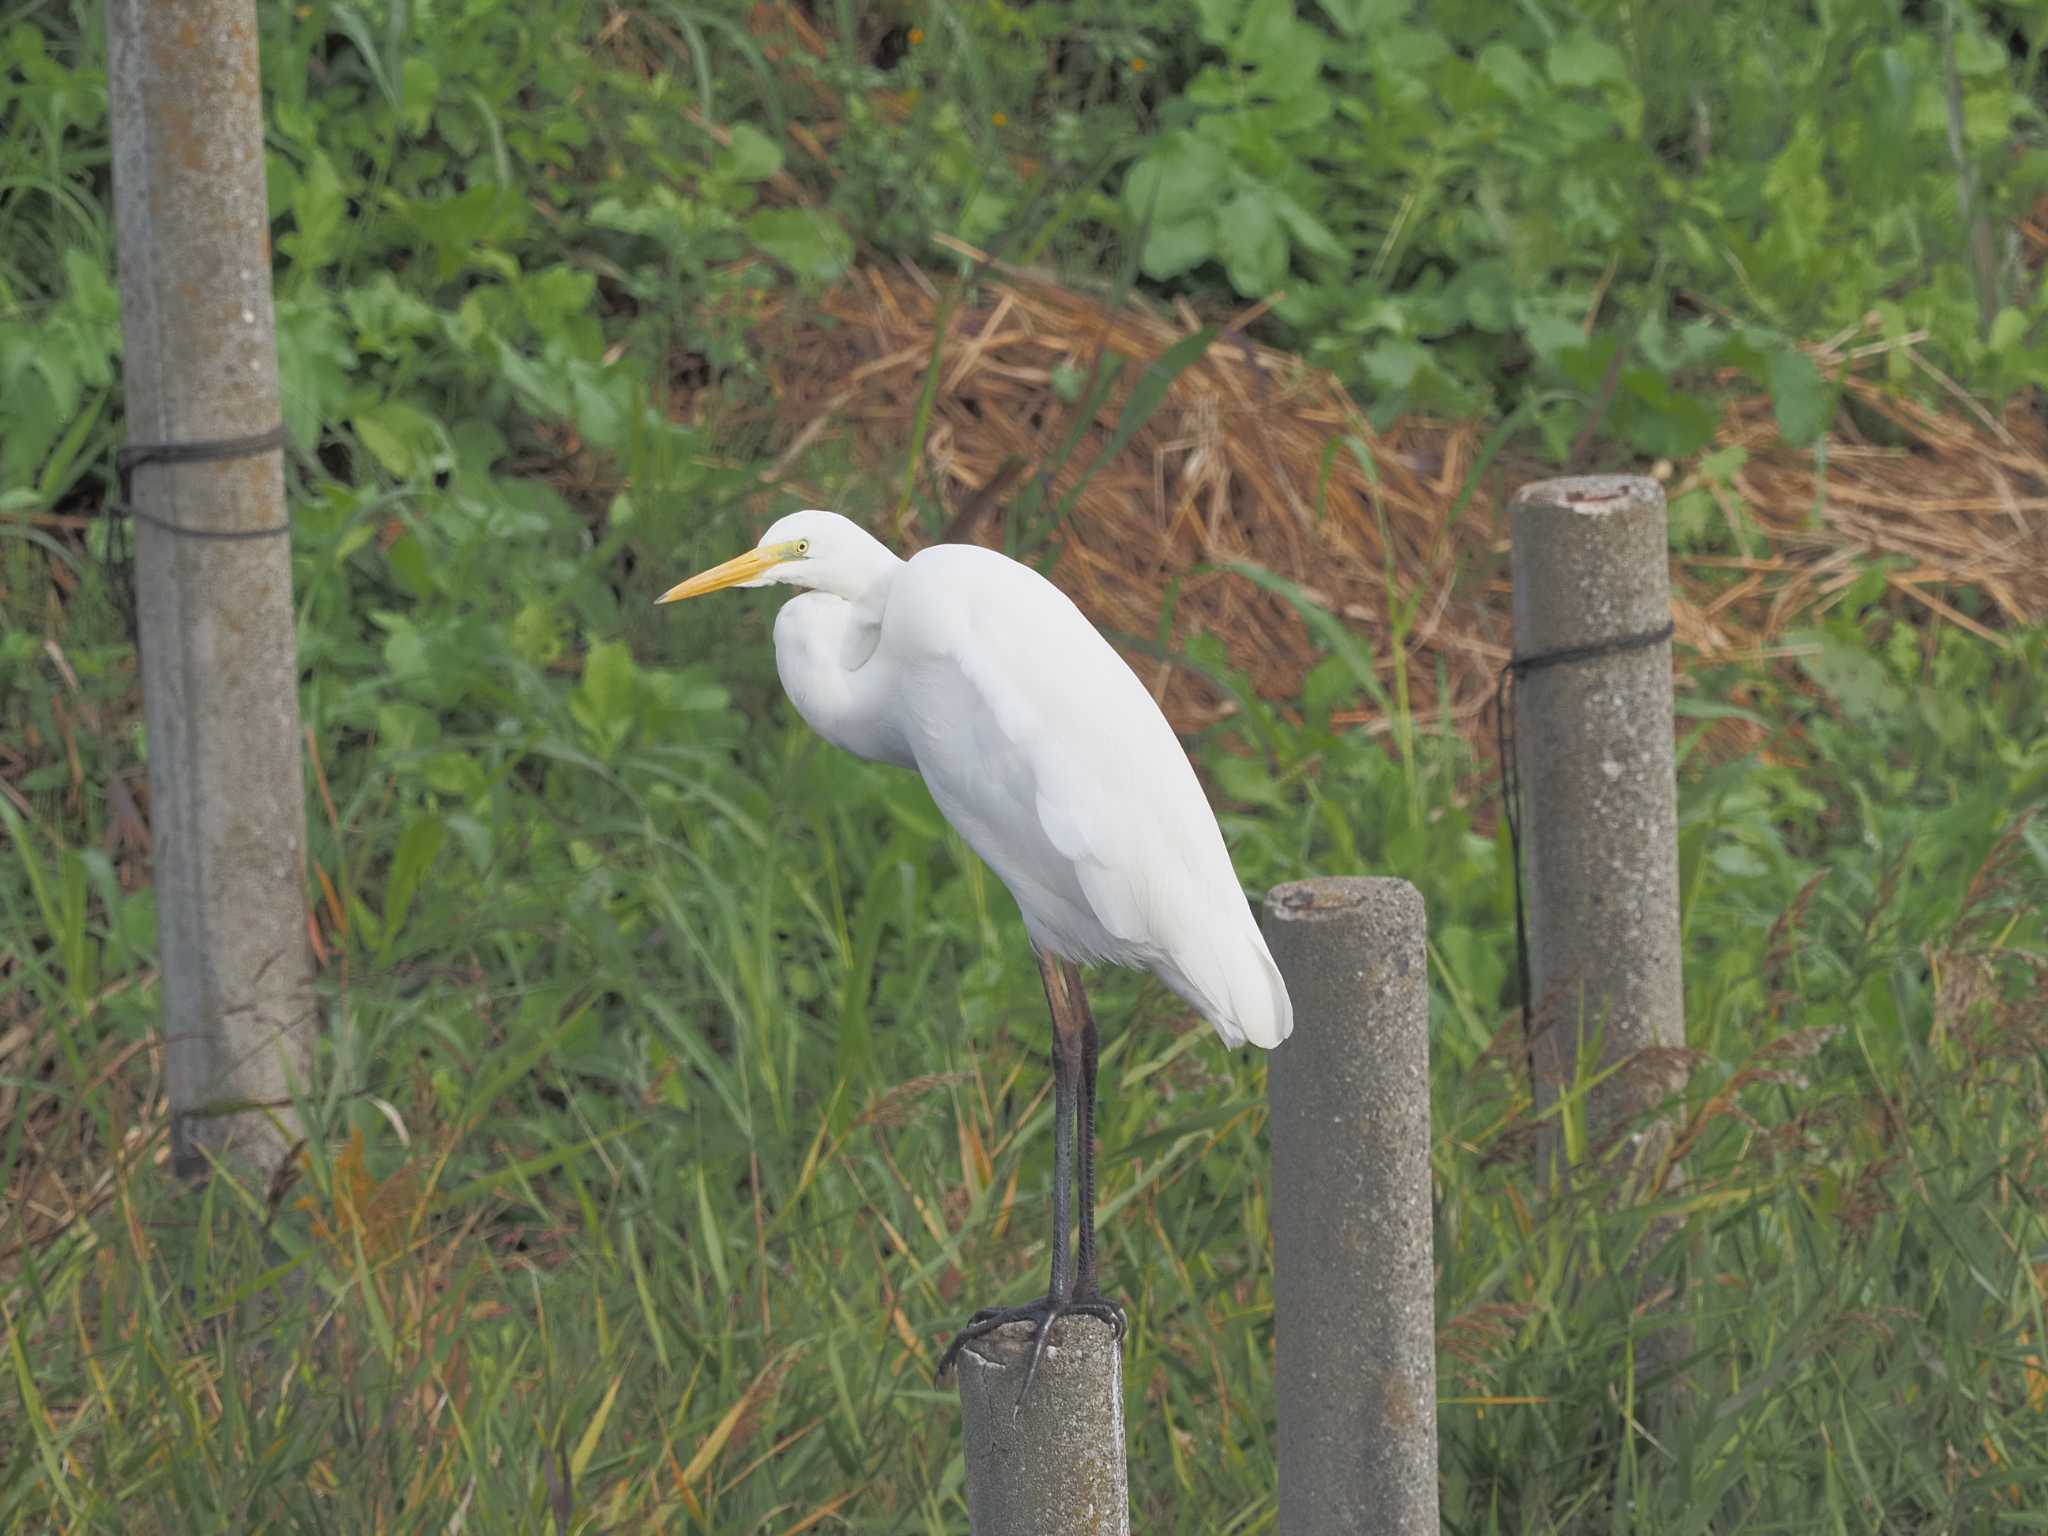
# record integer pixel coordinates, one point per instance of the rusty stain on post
(219, 662)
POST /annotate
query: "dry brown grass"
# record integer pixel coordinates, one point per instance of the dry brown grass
(1255, 457)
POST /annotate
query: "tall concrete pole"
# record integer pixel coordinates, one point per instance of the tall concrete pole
(213, 575)
(1353, 1274)
(1595, 748)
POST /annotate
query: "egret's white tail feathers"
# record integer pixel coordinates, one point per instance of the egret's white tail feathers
(1237, 988)
(1265, 1017)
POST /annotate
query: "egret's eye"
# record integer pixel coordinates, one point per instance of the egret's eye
(803, 546)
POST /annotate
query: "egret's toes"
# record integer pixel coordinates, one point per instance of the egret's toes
(1094, 1304)
(1042, 1314)
(988, 1319)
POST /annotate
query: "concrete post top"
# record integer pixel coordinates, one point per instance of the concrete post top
(1590, 495)
(1591, 564)
(1078, 1342)
(1372, 897)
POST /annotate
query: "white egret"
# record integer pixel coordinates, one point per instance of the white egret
(1051, 760)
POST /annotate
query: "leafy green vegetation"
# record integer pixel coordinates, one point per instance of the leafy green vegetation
(1562, 212)
(1510, 203)
(683, 1084)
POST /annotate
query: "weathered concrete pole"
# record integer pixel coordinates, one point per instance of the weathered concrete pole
(1594, 744)
(1055, 1467)
(213, 574)
(1353, 1277)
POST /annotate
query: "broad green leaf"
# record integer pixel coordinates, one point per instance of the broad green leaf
(417, 846)
(1246, 779)
(405, 651)
(1413, 51)
(466, 230)
(1356, 18)
(1583, 59)
(454, 773)
(1800, 397)
(1252, 244)
(810, 243)
(320, 211)
(418, 83)
(606, 701)
(1487, 291)
(1510, 70)
(60, 378)
(1218, 20)
(1854, 679)
(538, 633)
(553, 298)
(88, 289)
(1395, 363)
(1723, 464)
(1287, 53)
(1309, 232)
(1180, 178)
(1653, 417)
(402, 438)
(1171, 249)
(752, 156)
(408, 561)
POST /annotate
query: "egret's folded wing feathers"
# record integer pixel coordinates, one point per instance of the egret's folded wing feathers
(1043, 748)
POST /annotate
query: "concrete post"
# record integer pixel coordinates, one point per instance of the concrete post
(1055, 1467)
(219, 665)
(1594, 744)
(1353, 1275)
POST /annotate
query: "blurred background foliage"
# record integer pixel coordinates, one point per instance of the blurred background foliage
(683, 1078)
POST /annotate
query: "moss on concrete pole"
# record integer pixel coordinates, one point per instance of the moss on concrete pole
(219, 663)
(1353, 1277)
(1594, 742)
(1055, 1466)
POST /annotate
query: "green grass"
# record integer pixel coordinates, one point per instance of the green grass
(734, 1103)
(683, 1083)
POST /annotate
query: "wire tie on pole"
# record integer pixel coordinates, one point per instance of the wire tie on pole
(199, 451)
(1518, 668)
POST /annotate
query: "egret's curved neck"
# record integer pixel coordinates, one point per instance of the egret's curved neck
(863, 615)
(825, 644)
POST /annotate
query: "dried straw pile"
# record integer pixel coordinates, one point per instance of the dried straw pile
(1252, 457)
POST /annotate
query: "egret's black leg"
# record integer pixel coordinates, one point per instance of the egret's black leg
(1085, 1297)
(1066, 1093)
(1073, 1052)
(1066, 1084)
(1084, 1268)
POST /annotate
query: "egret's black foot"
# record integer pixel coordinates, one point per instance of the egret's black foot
(1042, 1314)
(1092, 1303)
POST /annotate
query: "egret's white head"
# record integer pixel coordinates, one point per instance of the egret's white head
(821, 551)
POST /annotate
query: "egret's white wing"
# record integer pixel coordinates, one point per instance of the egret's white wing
(1043, 748)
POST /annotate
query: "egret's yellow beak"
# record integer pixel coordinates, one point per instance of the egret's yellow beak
(736, 570)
